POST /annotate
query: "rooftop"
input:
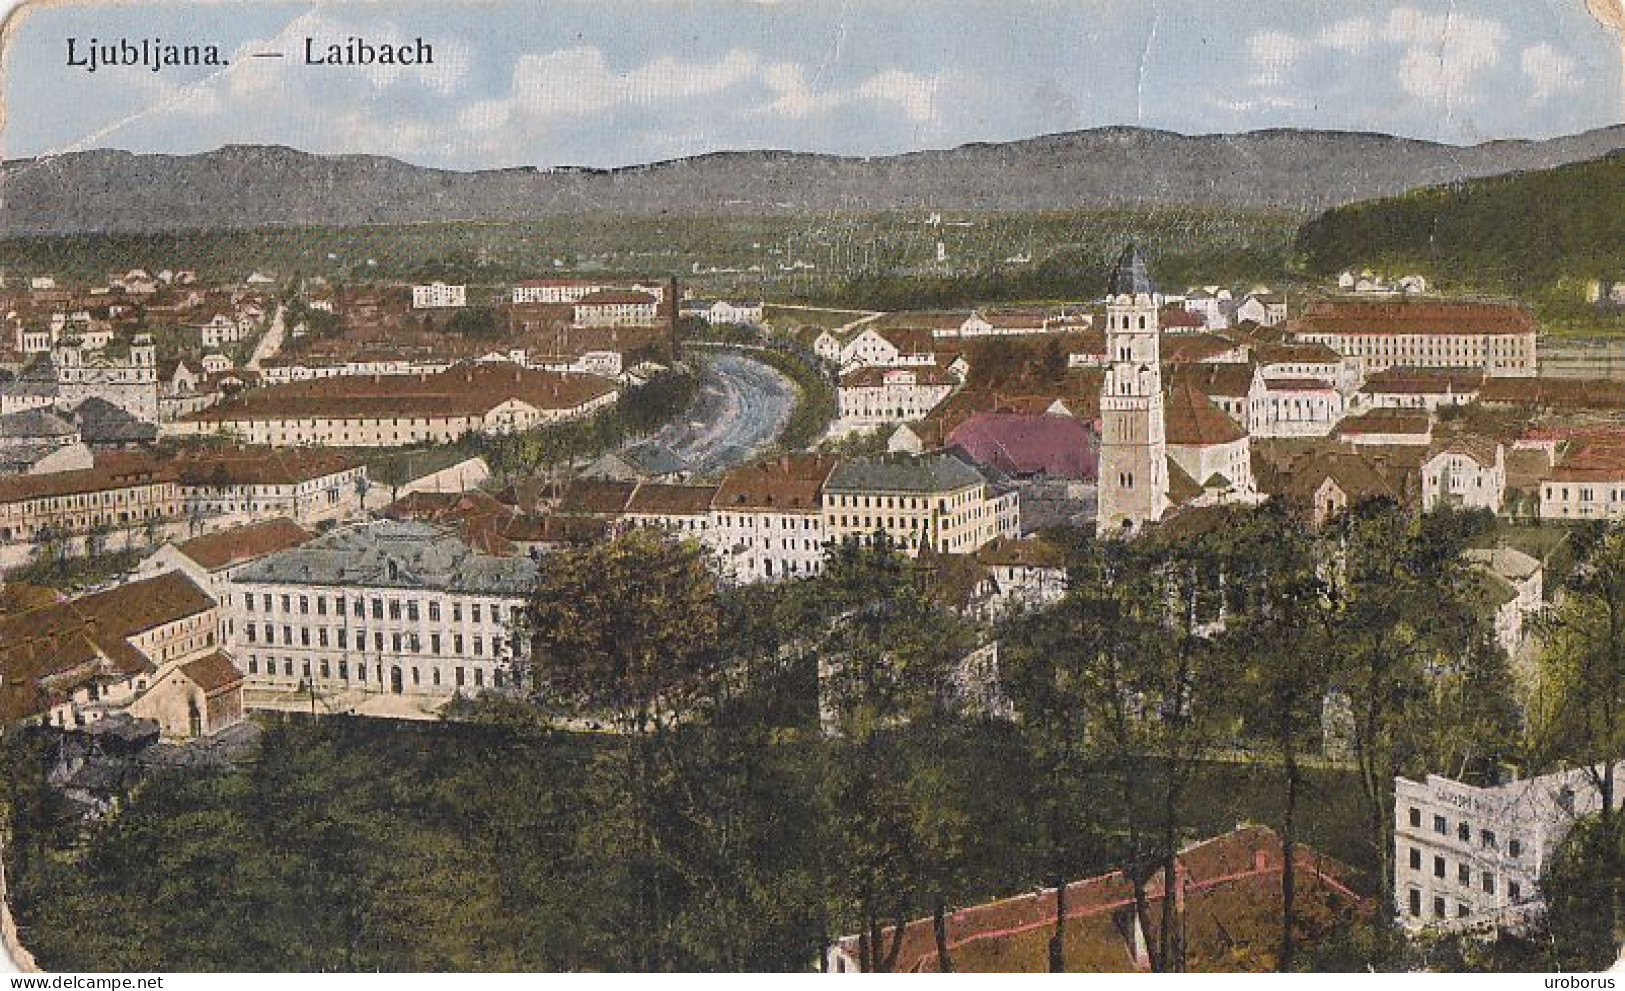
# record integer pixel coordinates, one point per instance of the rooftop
(903, 473)
(226, 548)
(402, 554)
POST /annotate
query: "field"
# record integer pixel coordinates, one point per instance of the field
(840, 259)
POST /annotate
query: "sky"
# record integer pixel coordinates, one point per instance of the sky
(618, 82)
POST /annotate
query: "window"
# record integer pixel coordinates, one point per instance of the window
(1464, 832)
(1440, 826)
(1438, 908)
(1487, 838)
(434, 612)
(1416, 902)
(1514, 890)
(1438, 867)
(1416, 859)
(1464, 875)
(1416, 817)
(1515, 848)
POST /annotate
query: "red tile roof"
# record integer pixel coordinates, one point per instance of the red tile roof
(790, 484)
(1192, 420)
(470, 390)
(1413, 317)
(874, 376)
(1029, 444)
(214, 673)
(237, 545)
(1231, 889)
(654, 499)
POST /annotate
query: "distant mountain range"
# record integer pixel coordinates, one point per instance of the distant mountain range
(1119, 167)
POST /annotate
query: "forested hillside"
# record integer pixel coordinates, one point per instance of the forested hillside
(1540, 235)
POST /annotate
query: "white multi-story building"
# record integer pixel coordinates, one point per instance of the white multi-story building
(869, 397)
(1587, 483)
(1471, 857)
(391, 410)
(228, 489)
(1294, 407)
(766, 523)
(616, 308)
(1465, 473)
(1497, 339)
(396, 607)
(438, 295)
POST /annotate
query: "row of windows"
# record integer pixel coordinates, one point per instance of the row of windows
(1464, 833)
(340, 638)
(396, 608)
(1464, 874)
(327, 666)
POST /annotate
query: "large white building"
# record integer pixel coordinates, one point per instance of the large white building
(1497, 339)
(766, 522)
(1471, 857)
(870, 397)
(617, 308)
(392, 410)
(438, 295)
(397, 607)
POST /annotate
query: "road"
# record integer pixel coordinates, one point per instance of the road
(270, 343)
(742, 406)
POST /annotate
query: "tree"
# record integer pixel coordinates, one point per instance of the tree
(1280, 632)
(1401, 631)
(884, 664)
(1580, 713)
(628, 629)
(1584, 886)
(1055, 666)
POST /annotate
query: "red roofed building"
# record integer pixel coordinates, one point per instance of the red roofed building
(1496, 338)
(1588, 481)
(1026, 445)
(75, 662)
(392, 410)
(1227, 902)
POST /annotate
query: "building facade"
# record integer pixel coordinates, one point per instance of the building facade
(397, 607)
(921, 501)
(1471, 857)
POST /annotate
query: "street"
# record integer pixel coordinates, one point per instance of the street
(742, 406)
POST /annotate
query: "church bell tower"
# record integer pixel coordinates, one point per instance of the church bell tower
(1133, 474)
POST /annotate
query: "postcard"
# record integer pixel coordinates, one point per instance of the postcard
(786, 486)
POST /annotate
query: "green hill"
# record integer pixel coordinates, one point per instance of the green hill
(1538, 235)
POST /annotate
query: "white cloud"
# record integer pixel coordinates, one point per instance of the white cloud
(578, 82)
(1350, 36)
(1272, 53)
(915, 94)
(1444, 52)
(1549, 71)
